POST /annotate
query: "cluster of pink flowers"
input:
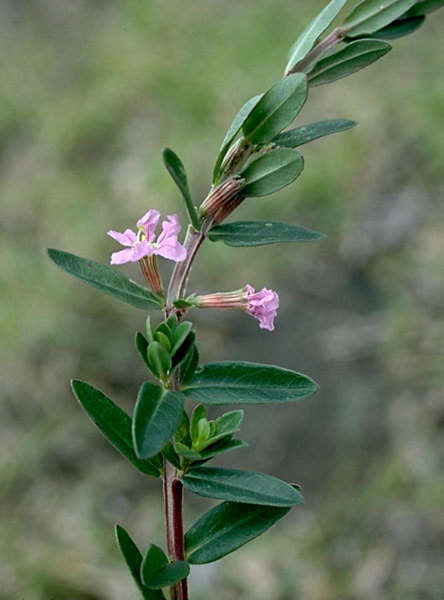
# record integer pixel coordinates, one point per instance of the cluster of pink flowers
(261, 305)
(144, 243)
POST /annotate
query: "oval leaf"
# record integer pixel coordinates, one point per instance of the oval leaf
(257, 233)
(308, 37)
(133, 559)
(232, 132)
(307, 133)
(115, 425)
(177, 171)
(241, 486)
(154, 560)
(180, 357)
(353, 57)
(189, 365)
(247, 383)
(180, 335)
(226, 528)
(271, 171)
(168, 575)
(157, 415)
(276, 109)
(105, 279)
(425, 7)
(159, 360)
(224, 445)
(398, 29)
(142, 347)
(370, 15)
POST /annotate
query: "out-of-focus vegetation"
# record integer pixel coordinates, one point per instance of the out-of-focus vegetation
(90, 93)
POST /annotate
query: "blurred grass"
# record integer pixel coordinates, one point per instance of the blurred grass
(90, 93)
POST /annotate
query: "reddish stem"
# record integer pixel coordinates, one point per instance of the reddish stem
(173, 498)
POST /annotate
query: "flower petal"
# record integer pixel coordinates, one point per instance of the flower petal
(124, 256)
(142, 249)
(172, 250)
(127, 238)
(149, 223)
(263, 306)
(170, 229)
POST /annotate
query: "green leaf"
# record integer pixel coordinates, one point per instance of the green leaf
(185, 349)
(307, 133)
(165, 329)
(154, 560)
(183, 431)
(276, 109)
(225, 445)
(171, 455)
(232, 132)
(160, 337)
(180, 335)
(247, 383)
(157, 415)
(370, 15)
(203, 433)
(240, 486)
(172, 321)
(133, 559)
(227, 424)
(260, 233)
(398, 28)
(169, 575)
(142, 347)
(271, 171)
(198, 413)
(159, 360)
(177, 171)
(149, 329)
(311, 33)
(106, 279)
(115, 425)
(189, 365)
(425, 7)
(353, 57)
(227, 527)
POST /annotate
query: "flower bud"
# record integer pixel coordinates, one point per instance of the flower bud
(222, 199)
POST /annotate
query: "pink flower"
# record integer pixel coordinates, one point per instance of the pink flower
(143, 243)
(261, 305)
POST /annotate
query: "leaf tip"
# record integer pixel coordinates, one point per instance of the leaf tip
(52, 254)
(75, 386)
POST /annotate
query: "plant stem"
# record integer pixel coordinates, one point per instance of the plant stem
(173, 497)
(337, 35)
(172, 486)
(179, 278)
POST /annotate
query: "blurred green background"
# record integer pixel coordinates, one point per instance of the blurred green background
(91, 91)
